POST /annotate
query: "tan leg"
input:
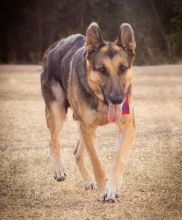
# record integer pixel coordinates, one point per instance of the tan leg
(88, 137)
(79, 156)
(55, 115)
(126, 135)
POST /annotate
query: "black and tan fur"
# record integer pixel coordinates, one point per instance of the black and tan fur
(86, 80)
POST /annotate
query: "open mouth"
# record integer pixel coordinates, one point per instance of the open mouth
(114, 110)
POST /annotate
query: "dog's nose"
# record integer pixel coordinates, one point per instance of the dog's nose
(116, 98)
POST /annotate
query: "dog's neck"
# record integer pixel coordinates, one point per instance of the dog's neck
(79, 61)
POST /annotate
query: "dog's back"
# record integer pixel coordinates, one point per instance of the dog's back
(57, 58)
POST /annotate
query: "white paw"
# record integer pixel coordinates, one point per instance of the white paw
(110, 193)
(58, 171)
(91, 186)
(59, 175)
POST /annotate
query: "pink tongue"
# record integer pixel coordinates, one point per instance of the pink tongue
(114, 113)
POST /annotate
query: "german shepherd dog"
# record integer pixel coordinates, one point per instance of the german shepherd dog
(94, 78)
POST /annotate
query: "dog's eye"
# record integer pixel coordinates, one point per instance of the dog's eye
(103, 70)
(122, 69)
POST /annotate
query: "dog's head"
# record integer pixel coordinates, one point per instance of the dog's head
(109, 64)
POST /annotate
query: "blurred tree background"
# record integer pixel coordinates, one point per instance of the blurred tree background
(27, 27)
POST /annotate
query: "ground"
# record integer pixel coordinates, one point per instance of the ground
(152, 184)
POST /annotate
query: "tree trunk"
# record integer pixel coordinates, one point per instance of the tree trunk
(165, 38)
(82, 13)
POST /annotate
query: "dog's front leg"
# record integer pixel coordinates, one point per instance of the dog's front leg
(88, 135)
(126, 135)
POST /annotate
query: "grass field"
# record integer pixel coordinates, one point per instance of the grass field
(152, 185)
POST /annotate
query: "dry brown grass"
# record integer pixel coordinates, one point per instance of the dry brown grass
(152, 185)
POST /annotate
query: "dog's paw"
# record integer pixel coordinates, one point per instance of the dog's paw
(91, 186)
(59, 175)
(110, 194)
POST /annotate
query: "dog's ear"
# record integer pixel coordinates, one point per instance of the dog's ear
(94, 40)
(126, 39)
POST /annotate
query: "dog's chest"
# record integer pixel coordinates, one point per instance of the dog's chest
(99, 116)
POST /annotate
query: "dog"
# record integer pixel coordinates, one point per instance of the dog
(94, 78)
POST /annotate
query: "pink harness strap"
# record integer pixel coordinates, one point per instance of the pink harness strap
(125, 107)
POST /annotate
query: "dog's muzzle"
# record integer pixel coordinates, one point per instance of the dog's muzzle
(116, 98)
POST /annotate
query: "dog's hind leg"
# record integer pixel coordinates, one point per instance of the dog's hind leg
(79, 157)
(55, 116)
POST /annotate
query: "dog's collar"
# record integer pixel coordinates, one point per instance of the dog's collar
(125, 106)
(81, 50)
